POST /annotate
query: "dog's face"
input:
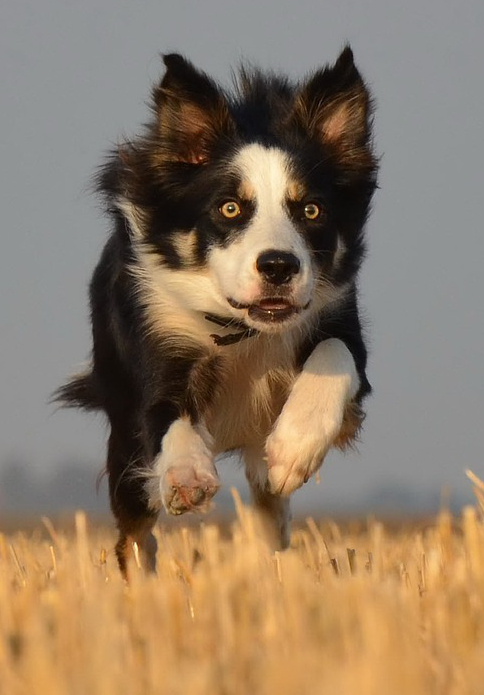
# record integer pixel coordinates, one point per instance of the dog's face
(265, 267)
(253, 205)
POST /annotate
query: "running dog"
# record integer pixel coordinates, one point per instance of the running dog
(224, 306)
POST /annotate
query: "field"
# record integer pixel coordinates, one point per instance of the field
(350, 609)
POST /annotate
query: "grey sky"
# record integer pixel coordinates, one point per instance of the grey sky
(75, 76)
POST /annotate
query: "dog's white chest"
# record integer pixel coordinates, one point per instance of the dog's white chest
(254, 387)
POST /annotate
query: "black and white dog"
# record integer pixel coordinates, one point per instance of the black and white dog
(224, 306)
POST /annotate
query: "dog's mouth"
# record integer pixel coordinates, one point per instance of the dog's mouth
(272, 310)
(269, 310)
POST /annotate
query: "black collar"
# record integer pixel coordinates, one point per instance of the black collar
(231, 338)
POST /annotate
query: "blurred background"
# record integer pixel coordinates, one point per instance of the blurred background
(76, 76)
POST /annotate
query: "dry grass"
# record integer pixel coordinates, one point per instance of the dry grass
(348, 610)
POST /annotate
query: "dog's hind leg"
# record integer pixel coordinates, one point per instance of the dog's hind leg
(146, 544)
(273, 511)
(129, 500)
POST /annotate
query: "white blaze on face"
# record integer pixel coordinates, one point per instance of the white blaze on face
(265, 174)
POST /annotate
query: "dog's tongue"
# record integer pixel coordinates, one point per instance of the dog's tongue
(273, 304)
(271, 310)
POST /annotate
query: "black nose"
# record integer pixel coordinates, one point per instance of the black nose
(278, 267)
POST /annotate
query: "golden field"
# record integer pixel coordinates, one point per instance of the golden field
(349, 609)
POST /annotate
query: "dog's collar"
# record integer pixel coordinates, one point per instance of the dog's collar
(231, 338)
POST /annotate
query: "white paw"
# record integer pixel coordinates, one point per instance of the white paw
(296, 448)
(188, 488)
(186, 473)
(312, 416)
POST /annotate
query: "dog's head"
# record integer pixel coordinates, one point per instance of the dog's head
(253, 203)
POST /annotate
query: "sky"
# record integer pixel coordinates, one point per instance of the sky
(76, 77)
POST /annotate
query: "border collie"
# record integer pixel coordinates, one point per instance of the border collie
(224, 306)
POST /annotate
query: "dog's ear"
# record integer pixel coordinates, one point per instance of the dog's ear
(191, 111)
(334, 107)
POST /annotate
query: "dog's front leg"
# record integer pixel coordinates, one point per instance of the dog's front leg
(312, 416)
(185, 477)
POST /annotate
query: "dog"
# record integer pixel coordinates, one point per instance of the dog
(224, 307)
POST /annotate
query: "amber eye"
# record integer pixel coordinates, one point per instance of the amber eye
(230, 209)
(311, 211)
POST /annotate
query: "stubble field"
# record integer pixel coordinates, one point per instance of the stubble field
(349, 609)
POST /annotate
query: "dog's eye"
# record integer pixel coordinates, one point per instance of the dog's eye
(312, 211)
(230, 209)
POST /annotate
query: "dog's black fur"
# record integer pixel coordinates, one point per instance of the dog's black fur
(174, 176)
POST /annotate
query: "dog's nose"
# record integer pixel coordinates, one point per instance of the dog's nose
(278, 267)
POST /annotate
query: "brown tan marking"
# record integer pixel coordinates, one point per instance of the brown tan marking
(296, 191)
(350, 429)
(185, 246)
(246, 190)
